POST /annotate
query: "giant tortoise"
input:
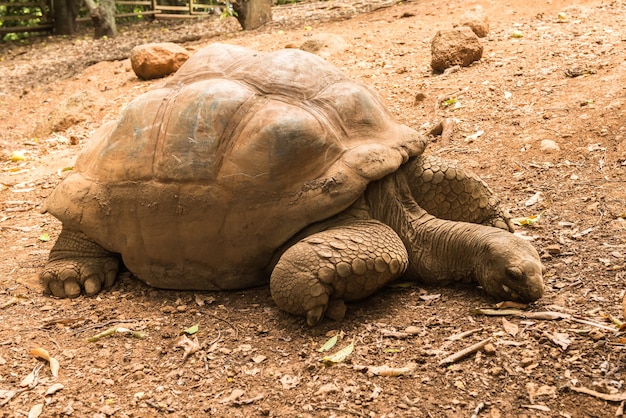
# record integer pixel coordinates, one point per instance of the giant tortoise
(248, 167)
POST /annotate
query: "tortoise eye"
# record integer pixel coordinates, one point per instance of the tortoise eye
(515, 273)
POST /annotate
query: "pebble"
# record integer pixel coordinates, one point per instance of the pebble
(548, 145)
(489, 349)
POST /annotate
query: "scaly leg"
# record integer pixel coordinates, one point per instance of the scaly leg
(76, 265)
(448, 191)
(346, 262)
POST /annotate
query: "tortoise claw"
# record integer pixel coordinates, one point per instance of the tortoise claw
(314, 316)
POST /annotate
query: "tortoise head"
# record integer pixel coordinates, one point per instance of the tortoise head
(511, 269)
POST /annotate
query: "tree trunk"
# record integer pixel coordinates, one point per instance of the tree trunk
(65, 14)
(103, 18)
(253, 13)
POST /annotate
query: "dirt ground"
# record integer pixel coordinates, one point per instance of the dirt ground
(541, 118)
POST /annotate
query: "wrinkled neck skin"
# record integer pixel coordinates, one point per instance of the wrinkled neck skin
(443, 251)
(426, 238)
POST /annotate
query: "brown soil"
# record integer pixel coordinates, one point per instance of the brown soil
(564, 81)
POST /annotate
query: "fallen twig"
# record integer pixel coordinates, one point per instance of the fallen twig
(477, 410)
(105, 324)
(465, 352)
(7, 395)
(615, 397)
(543, 315)
(592, 323)
(8, 303)
(462, 335)
(63, 321)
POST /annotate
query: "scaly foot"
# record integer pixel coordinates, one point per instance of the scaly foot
(78, 265)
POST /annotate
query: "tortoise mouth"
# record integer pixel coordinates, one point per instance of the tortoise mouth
(525, 294)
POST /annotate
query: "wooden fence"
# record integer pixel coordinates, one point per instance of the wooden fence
(36, 16)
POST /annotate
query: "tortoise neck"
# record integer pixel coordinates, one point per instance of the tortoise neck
(439, 250)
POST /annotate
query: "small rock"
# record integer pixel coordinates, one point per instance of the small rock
(553, 249)
(477, 21)
(157, 60)
(419, 98)
(496, 371)
(327, 388)
(451, 47)
(324, 44)
(526, 361)
(181, 308)
(412, 329)
(596, 334)
(168, 309)
(548, 145)
(489, 349)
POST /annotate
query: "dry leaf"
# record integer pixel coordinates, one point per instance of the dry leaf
(341, 355)
(289, 382)
(259, 359)
(534, 199)
(528, 220)
(113, 331)
(202, 300)
(40, 353)
(330, 343)
(547, 315)
(189, 346)
(235, 394)
(561, 339)
(54, 389)
(496, 312)
(326, 389)
(54, 367)
(510, 327)
(543, 390)
(30, 379)
(35, 411)
(428, 298)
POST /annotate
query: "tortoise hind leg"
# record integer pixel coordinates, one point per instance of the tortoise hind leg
(76, 265)
(344, 263)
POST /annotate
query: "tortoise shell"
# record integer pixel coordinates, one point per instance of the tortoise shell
(199, 182)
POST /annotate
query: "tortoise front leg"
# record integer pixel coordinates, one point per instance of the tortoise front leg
(448, 191)
(344, 263)
(78, 264)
